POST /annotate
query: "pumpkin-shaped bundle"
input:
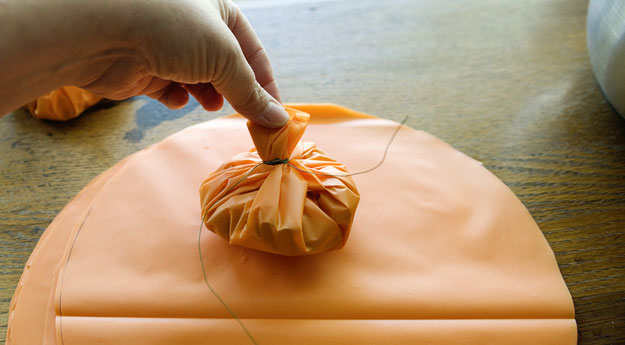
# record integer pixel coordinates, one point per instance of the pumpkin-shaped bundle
(63, 104)
(285, 196)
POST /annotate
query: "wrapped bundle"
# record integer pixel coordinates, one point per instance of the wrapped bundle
(285, 196)
(62, 104)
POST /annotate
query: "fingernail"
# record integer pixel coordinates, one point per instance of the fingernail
(275, 115)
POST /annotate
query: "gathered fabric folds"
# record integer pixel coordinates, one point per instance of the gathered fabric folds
(284, 196)
(62, 104)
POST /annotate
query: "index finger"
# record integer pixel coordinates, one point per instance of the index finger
(253, 50)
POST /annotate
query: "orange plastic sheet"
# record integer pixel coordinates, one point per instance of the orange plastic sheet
(278, 208)
(440, 252)
(63, 104)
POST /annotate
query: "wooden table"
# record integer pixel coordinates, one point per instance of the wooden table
(507, 82)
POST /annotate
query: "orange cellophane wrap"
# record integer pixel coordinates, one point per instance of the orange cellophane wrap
(277, 208)
(63, 104)
(441, 253)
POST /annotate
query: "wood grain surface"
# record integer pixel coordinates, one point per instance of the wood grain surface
(508, 82)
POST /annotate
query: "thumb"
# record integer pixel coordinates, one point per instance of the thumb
(237, 83)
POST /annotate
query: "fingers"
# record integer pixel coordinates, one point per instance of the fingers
(154, 85)
(253, 50)
(236, 81)
(237, 84)
(206, 94)
(173, 96)
(233, 65)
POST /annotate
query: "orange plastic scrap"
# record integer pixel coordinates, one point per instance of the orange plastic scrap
(63, 104)
(275, 207)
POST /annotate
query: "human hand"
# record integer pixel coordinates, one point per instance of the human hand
(166, 49)
(205, 48)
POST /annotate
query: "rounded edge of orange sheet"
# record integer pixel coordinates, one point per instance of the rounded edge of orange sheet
(23, 296)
